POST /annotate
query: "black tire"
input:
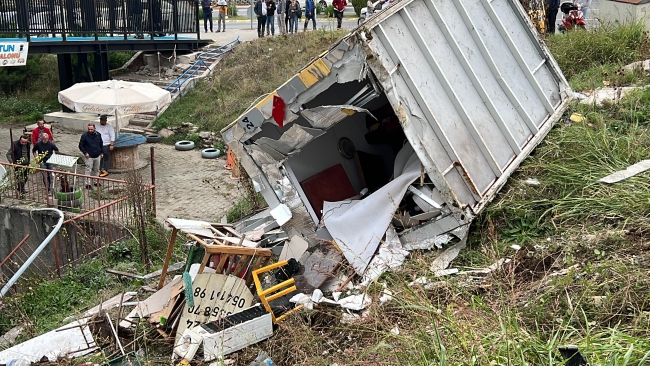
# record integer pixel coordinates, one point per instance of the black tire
(153, 138)
(322, 5)
(360, 21)
(184, 145)
(210, 153)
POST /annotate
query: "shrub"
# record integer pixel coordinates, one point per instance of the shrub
(358, 5)
(329, 11)
(118, 59)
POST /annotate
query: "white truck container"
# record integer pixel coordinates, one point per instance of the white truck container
(460, 90)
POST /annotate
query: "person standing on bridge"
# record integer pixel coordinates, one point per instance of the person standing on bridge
(339, 7)
(108, 142)
(281, 10)
(90, 145)
(222, 5)
(134, 7)
(260, 11)
(39, 131)
(270, 17)
(206, 6)
(310, 13)
(294, 15)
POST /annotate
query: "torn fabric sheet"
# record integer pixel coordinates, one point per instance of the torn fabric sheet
(391, 255)
(68, 342)
(630, 171)
(293, 139)
(196, 227)
(359, 229)
(328, 115)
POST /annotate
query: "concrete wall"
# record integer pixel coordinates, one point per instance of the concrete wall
(15, 223)
(623, 13)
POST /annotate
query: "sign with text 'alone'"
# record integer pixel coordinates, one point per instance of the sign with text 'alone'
(13, 53)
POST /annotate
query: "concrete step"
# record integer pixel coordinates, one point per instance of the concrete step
(139, 122)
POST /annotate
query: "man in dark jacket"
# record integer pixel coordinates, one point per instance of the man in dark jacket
(90, 145)
(270, 17)
(206, 6)
(44, 149)
(310, 13)
(552, 7)
(134, 9)
(260, 11)
(19, 154)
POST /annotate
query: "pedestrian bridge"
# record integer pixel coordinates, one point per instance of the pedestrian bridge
(82, 27)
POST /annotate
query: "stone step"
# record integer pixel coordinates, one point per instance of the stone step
(139, 122)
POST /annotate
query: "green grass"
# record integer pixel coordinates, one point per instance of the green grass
(254, 69)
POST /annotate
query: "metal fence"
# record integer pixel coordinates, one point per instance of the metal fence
(95, 217)
(61, 18)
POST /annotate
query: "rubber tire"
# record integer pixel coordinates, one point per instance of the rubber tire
(153, 138)
(70, 204)
(360, 21)
(210, 153)
(69, 196)
(184, 145)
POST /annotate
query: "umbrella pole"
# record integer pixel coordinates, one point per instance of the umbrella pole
(117, 125)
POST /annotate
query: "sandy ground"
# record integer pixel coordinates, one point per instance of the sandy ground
(187, 186)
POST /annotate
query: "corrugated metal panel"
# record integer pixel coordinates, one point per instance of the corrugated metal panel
(475, 86)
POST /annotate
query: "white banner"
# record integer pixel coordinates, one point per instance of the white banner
(13, 53)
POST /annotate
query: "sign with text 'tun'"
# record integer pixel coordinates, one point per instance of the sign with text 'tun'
(13, 53)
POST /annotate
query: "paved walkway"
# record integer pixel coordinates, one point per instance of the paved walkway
(187, 186)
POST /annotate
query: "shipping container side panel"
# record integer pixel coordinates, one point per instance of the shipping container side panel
(426, 88)
(506, 65)
(530, 51)
(511, 122)
(428, 24)
(415, 122)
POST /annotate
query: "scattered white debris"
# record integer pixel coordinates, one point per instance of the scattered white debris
(444, 259)
(355, 302)
(515, 247)
(630, 171)
(386, 296)
(532, 181)
(445, 272)
(395, 331)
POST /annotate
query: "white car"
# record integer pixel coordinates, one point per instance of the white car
(364, 12)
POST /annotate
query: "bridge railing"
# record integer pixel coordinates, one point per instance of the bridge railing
(97, 18)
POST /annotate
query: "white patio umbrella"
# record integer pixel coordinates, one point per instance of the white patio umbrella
(114, 97)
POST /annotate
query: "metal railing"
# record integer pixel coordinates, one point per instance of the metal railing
(96, 18)
(94, 219)
(203, 60)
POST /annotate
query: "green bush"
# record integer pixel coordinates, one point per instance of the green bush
(24, 108)
(118, 59)
(329, 11)
(232, 9)
(358, 5)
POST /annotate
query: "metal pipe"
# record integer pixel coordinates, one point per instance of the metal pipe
(38, 250)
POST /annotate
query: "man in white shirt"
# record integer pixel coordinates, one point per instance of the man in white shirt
(108, 137)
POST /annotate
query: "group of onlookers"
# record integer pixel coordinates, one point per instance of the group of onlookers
(96, 146)
(222, 7)
(289, 13)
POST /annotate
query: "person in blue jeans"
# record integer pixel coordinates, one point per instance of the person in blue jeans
(270, 18)
(310, 13)
(294, 10)
(45, 148)
(206, 6)
(260, 11)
